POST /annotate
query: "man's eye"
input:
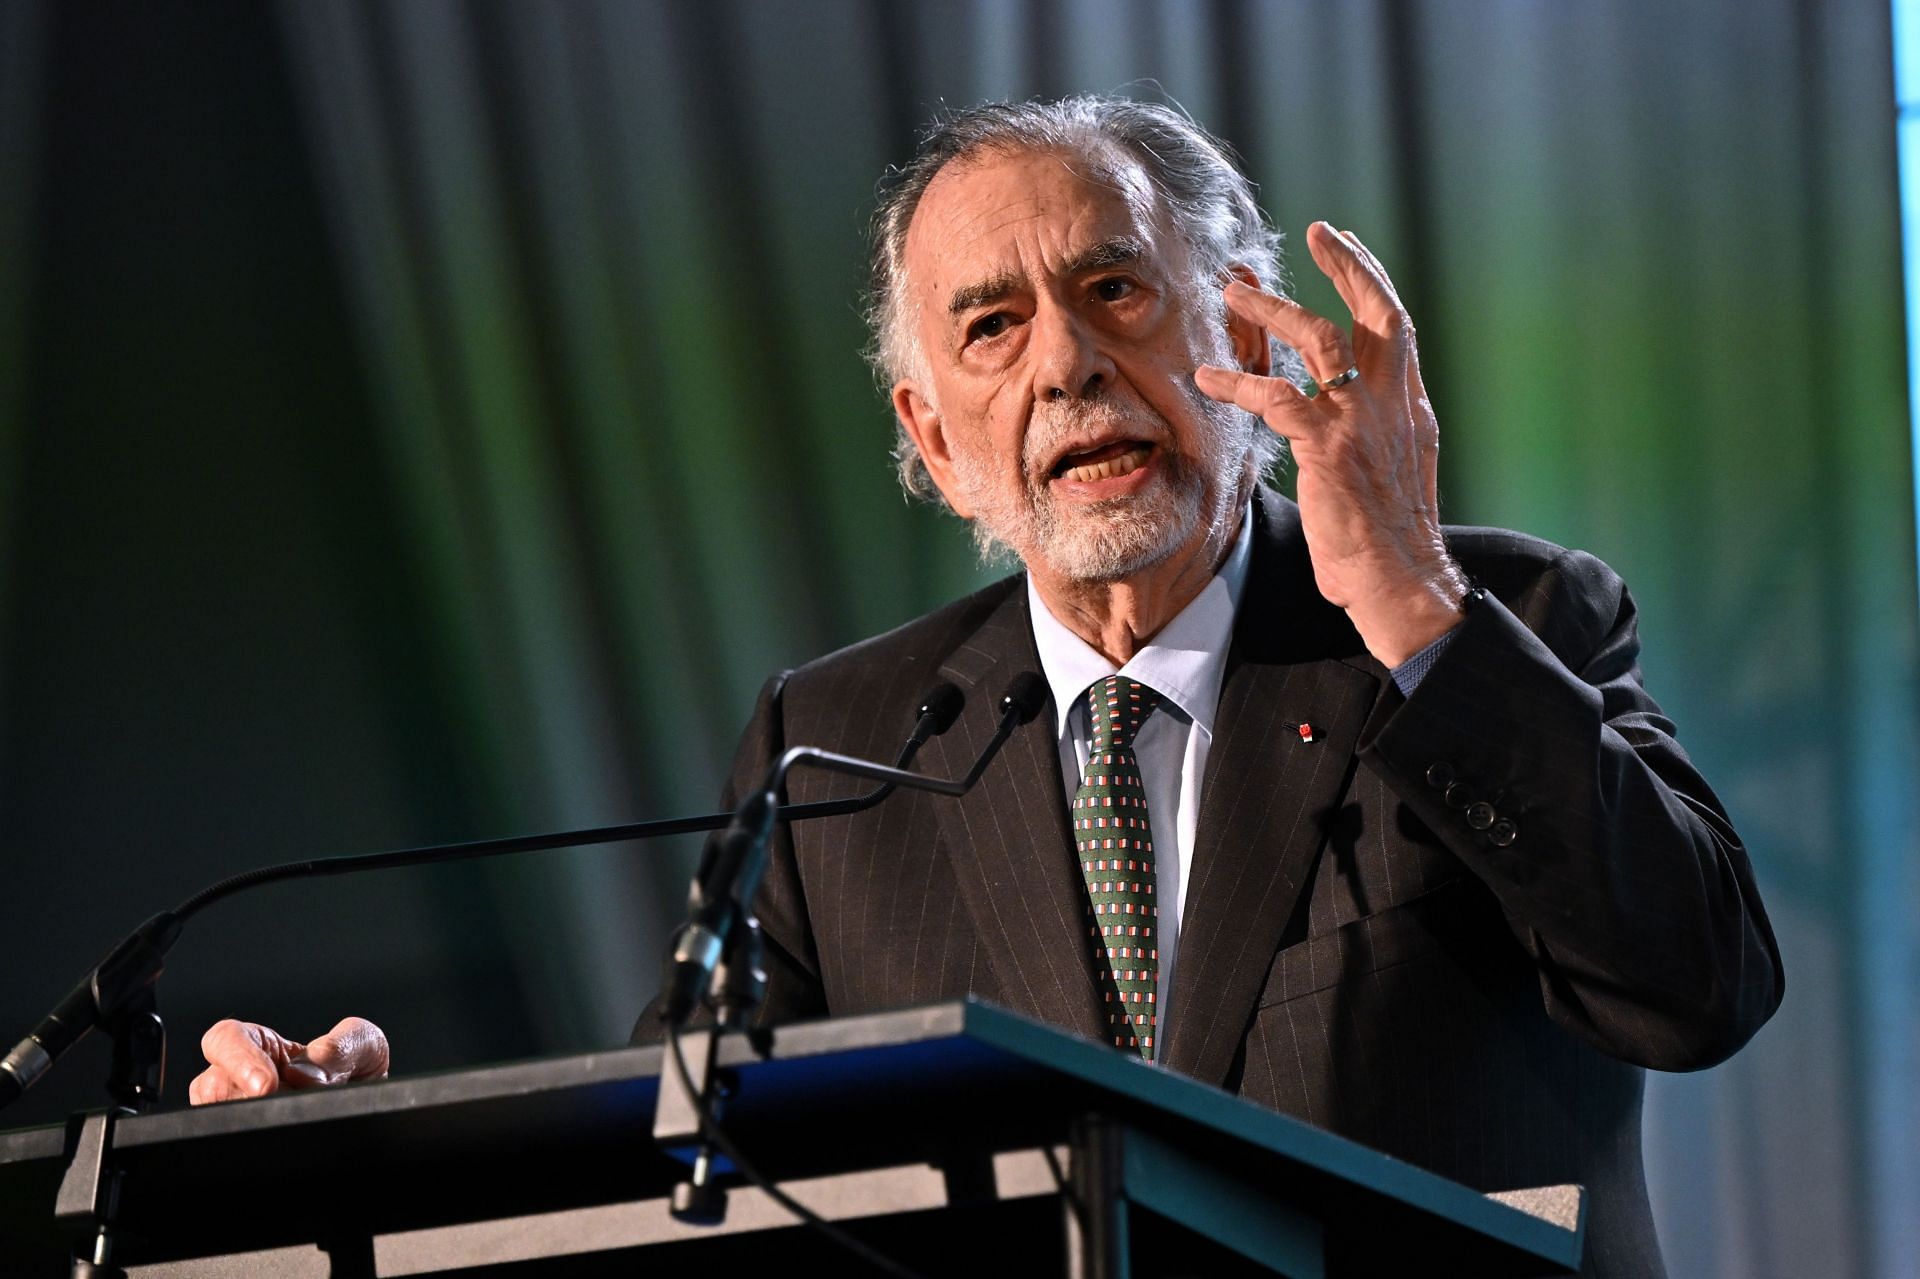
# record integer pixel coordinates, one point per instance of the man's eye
(1113, 289)
(989, 326)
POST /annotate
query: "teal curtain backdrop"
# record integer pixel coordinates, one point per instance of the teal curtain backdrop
(432, 420)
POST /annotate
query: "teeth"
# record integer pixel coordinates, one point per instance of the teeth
(1125, 464)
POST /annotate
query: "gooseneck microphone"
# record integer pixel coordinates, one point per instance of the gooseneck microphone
(724, 887)
(121, 985)
(125, 976)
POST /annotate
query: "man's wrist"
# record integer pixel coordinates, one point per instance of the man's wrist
(1408, 675)
(1397, 625)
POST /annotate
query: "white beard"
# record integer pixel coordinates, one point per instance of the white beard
(1108, 540)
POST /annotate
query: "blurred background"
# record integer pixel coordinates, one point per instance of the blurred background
(429, 421)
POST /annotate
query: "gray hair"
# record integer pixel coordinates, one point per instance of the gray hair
(1209, 200)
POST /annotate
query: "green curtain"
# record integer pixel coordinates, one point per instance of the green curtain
(554, 308)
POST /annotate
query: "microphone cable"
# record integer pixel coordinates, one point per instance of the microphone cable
(711, 1131)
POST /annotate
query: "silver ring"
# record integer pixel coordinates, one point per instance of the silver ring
(1313, 387)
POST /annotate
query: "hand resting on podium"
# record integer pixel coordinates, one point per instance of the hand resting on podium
(249, 1060)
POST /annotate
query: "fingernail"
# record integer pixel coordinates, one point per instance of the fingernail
(308, 1071)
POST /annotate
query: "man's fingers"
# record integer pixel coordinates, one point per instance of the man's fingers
(245, 1059)
(354, 1049)
(1373, 265)
(1321, 343)
(1361, 285)
(211, 1085)
(1273, 399)
(248, 1055)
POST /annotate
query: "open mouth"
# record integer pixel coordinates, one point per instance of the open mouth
(1106, 462)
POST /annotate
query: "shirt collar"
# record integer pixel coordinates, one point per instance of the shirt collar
(1184, 663)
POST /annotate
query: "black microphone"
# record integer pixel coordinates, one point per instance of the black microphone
(132, 968)
(724, 888)
(938, 709)
(128, 969)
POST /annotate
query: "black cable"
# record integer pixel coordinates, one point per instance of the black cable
(352, 862)
(936, 715)
(710, 1129)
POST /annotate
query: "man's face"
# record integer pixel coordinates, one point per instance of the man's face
(1061, 322)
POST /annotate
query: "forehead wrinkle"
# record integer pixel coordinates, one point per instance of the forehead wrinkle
(1114, 171)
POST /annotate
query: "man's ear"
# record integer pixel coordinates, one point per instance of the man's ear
(1252, 345)
(927, 429)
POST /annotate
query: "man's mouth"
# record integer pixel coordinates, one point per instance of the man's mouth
(1108, 461)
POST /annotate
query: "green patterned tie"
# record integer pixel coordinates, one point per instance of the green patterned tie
(1115, 842)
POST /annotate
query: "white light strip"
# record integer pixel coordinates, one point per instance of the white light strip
(1906, 88)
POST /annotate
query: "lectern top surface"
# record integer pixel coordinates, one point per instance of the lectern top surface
(808, 1099)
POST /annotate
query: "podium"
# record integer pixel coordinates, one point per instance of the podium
(956, 1138)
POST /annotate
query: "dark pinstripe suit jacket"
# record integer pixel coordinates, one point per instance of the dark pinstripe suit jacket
(1359, 948)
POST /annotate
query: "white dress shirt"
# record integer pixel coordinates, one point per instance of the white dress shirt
(1184, 664)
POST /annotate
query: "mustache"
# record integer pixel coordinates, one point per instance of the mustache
(1053, 425)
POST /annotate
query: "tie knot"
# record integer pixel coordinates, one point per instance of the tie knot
(1118, 706)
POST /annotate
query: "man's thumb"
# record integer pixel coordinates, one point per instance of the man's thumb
(354, 1049)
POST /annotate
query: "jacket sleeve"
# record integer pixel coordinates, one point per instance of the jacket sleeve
(794, 991)
(1535, 754)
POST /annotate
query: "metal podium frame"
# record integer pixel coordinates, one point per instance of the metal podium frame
(954, 1136)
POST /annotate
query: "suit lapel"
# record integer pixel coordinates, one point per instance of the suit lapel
(1008, 837)
(1269, 797)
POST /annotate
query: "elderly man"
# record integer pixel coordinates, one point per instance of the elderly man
(1365, 819)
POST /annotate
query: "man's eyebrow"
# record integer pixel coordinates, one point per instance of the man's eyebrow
(991, 289)
(1121, 250)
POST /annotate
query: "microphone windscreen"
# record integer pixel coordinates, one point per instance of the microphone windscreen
(1024, 696)
(942, 706)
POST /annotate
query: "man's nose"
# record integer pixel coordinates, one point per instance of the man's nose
(1069, 361)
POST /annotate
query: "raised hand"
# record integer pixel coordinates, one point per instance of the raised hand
(249, 1060)
(1366, 449)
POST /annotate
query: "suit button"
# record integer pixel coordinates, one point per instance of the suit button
(1503, 833)
(1481, 815)
(1458, 795)
(1440, 776)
